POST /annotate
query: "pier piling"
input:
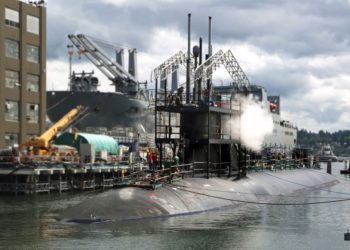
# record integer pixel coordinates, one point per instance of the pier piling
(329, 167)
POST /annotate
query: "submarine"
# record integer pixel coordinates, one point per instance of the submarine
(195, 195)
(198, 123)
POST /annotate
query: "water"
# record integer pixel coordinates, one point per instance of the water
(29, 222)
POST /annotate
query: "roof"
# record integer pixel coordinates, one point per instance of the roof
(100, 142)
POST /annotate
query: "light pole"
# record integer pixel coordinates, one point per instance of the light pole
(70, 54)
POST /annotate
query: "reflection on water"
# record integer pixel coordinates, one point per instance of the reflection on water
(29, 222)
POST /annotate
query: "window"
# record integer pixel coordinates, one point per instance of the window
(11, 111)
(11, 18)
(33, 83)
(11, 79)
(32, 53)
(32, 113)
(11, 139)
(33, 24)
(12, 48)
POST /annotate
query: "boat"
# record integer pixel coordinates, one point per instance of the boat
(326, 154)
(105, 109)
(126, 107)
(282, 139)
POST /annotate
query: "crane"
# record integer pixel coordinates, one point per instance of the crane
(42, 143)
(123, 80)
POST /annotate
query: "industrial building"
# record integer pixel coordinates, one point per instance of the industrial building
(22, 70)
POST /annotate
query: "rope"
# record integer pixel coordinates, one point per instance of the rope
(267, 203)
(247, 193)
(59, 102)
(330, 191)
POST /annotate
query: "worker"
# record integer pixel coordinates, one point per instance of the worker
(179, 94)
(167, 163)
(176, 160)
(155, 160)
(149, 159)
(16, 156)
(53, 157)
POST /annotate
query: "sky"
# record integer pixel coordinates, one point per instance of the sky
(296, 49)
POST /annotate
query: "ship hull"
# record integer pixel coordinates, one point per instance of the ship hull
(105, 109)
(193, 195)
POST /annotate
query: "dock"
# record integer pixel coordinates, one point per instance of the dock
(52, 177)
(48, 178)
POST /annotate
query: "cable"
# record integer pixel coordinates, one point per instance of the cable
(337, 177)
(108, 44)
(247, 193)
(59, 102)
(267, 203)
(330, 191)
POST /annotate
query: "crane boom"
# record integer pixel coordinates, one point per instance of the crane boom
(43, 141)
(109, 68)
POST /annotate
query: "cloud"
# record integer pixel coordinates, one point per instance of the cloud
(296, 49)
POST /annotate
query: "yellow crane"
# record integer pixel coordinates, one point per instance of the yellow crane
(42, 143)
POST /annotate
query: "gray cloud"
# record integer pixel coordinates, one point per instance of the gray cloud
(300, 28)
(297, 32)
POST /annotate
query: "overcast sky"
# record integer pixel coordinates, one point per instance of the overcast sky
(296, 49)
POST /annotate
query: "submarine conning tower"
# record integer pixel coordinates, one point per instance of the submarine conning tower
(194, 122)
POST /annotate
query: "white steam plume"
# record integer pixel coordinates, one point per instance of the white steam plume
(255, 123)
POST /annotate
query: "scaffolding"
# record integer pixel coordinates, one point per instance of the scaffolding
(200, 130)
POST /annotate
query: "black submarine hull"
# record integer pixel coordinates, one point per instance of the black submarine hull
(192, 195)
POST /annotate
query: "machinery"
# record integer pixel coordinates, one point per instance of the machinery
(41, 145)
(125, 81)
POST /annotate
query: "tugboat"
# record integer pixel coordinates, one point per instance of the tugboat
(327, 154)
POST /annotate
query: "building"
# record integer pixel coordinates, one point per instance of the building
(22, 70)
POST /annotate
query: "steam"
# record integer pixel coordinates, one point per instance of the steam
(254, 124)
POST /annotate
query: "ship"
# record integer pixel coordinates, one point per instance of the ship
(126, 107)
(282, 139)
(326, 154)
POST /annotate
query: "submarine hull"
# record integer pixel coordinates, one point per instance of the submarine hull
(192, 195)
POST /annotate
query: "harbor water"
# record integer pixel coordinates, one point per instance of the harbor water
(29, 222)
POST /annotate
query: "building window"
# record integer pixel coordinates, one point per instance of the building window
(32, 113)
(12, 48)
(32, 53)
(33, 24)
(11, 139)
(11, 79)
(11, 18)
(33, 83)
(11, 111)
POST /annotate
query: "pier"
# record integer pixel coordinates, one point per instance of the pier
(52, 177)
(46, 178)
